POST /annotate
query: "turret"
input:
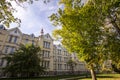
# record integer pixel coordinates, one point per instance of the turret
(42, 32)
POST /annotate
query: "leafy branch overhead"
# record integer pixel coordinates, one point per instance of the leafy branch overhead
(7, 10)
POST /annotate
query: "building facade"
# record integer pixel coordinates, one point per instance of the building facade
(54, 57)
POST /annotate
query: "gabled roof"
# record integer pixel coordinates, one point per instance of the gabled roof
(60, 47)
(48, 35)
(16, 28)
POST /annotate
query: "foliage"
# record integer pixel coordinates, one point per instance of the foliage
(25, 62)
(81, 35)
(7, 10)
(86, 29)
(114, 67)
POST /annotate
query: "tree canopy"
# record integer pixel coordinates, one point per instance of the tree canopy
(89, 29)
(25, 62)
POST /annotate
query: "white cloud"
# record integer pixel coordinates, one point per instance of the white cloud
(34, 17)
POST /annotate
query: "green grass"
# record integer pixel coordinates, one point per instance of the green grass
(105, 77)
(99, 77)
(43, 78)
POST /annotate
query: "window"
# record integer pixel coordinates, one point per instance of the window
(54, 66)
(59, 58)
(47, 64)
(46, 54)
(47, 36)
(65, 66)
(15, 31)
(15, 39)
(54, 51)
(54, 58)
(65, 53)
(42, 63)
(10, 38)
(64, 59)
(6, 49)
(12, 50)
(81, 65)
(59, 52)
(46, 44)
(4, 63)
(32, 42)
(26, 40)
(59, 66)
(1, 62)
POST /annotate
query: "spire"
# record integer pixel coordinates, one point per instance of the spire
(42, 32)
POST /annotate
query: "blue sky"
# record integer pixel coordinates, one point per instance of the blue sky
(34, 17)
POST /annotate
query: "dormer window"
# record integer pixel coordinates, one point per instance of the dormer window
(47, 36)
(15, 31)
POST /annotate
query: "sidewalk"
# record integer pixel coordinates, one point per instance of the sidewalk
(73, 78)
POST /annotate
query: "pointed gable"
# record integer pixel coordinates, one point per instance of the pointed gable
(15, 31)
(48, 37)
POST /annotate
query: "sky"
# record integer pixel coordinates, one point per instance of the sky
(34, 16)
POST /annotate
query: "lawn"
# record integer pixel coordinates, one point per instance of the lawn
(99, 77)
(105, 77)
(43, 78)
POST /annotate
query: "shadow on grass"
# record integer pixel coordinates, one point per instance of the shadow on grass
(106, 77)
(73, 77)
(42, 77)
(98, 76)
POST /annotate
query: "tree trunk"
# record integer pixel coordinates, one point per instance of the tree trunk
(113, 21)
(116, 27)
(93, 74)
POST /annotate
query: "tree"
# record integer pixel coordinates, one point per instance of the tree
(24, 62)
(7, 10)
(84, 28)
(110, 13)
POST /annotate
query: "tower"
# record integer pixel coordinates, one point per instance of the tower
(42, 32)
